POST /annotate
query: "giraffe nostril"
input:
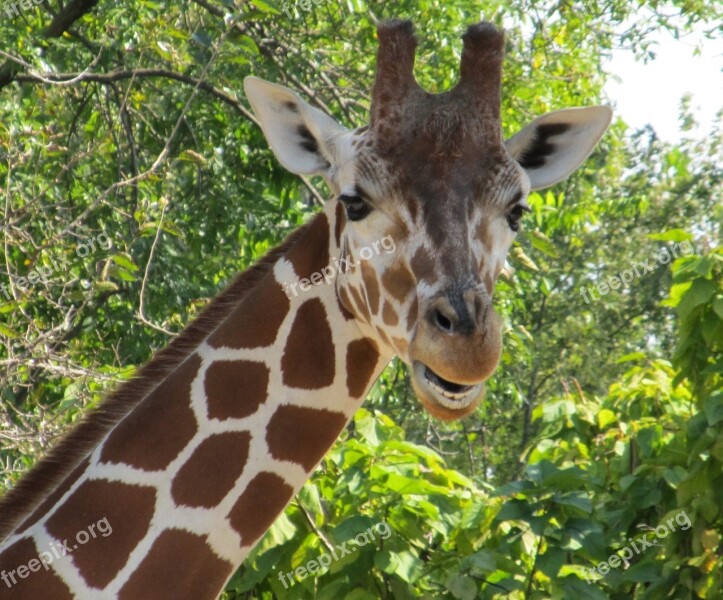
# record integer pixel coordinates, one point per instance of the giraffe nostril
(444, 323)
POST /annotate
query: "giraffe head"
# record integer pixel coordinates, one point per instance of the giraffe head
(432, 179)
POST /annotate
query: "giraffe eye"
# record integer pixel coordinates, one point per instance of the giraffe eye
(515, 214)
(356, 207)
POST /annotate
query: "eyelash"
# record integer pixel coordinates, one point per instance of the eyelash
(356, 207)
(515, 214)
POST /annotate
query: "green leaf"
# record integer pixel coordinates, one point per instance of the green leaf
(247, 43)
(544, 244)
(633, 356)
(8, 332)
(713, 408)
(266, 6)
(7, 307)
(699, 293)
(462, 587)
(402, 564)
(672, 235)
(124, 260)
(552, 476)
(626, 481)
(479, 562)
(310, 500)
(642, 572)
(718, 306)
(674, 476)
(551, 561)
(357, 595)
(578, 500)
(429, 455)
(605, 417)
(514, 510)
(105, 286)
(588, 534)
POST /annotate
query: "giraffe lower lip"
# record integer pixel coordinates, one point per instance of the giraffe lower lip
(445, 392)
(446, 387)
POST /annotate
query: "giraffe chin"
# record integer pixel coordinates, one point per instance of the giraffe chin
(442, 398)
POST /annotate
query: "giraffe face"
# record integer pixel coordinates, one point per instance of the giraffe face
(452, 215)
(431, 178)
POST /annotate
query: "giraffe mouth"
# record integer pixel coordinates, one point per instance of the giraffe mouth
(449, 394)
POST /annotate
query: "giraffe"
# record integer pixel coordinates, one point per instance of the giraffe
(186, 466)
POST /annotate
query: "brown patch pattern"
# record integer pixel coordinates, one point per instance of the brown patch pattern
(389, 315)
(361, 306)
(361, 359)
(212, 470)
(423, 266)
(156, 430)
(235, 388)
(308, 359)
(255, 322)
(400, 344)
(398, 281)
(23, 571)
(303, 435)
(51, 500)
(179, 565)
(263, 499)
(128, 510)
(310, 258)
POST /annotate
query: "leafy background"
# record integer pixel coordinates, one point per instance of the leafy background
(604, 419)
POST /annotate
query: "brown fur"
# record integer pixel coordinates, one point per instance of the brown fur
(50, 471)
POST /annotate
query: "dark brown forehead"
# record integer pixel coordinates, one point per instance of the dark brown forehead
(440, 127)
(439, 156)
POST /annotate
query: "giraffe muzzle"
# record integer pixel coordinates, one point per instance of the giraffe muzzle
(445, 399)
(456, 347)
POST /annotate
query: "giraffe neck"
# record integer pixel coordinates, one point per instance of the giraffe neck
(177, 493)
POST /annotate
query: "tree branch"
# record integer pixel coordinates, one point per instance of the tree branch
(60, 24)
(114, 76)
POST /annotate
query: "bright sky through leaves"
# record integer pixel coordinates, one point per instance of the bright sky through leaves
(651, 93)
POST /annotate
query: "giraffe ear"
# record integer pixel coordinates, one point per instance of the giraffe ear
(555, 144)
(300, 135)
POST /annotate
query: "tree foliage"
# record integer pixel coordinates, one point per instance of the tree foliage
(136, 183)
